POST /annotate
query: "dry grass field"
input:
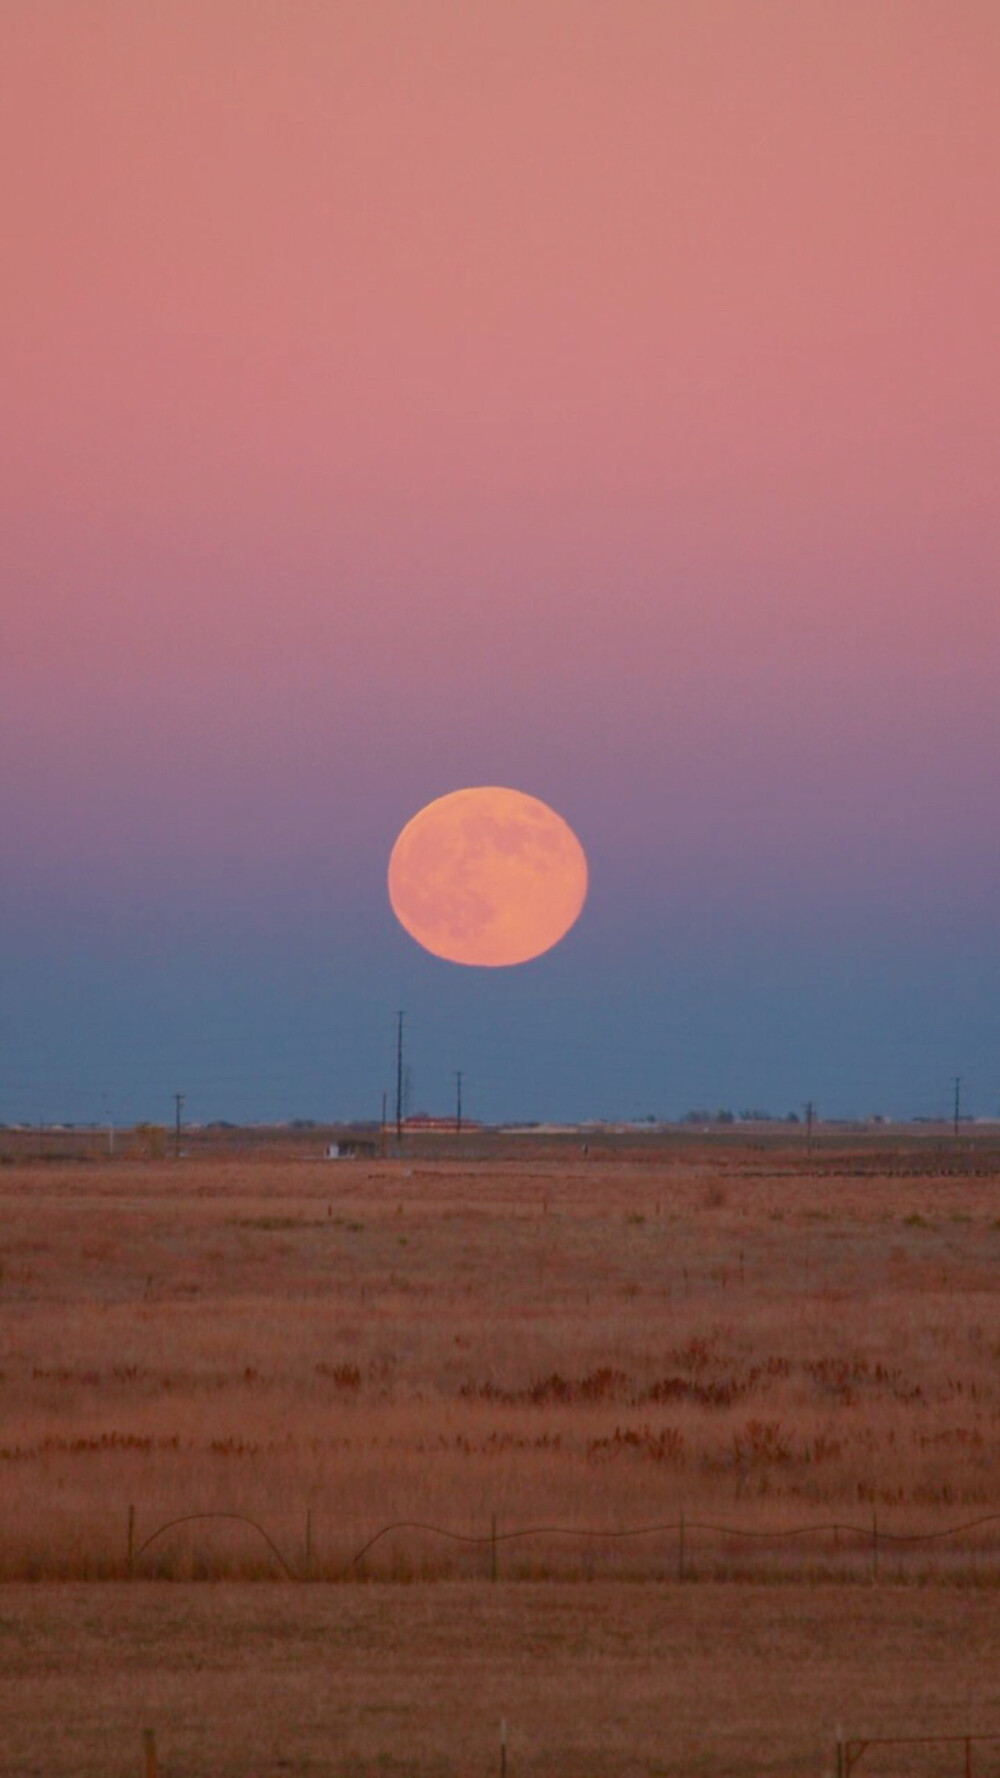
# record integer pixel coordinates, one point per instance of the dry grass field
(737, 1333)
(592, 1342)
(604, 1681)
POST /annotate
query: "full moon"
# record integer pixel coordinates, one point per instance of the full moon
(487, 877)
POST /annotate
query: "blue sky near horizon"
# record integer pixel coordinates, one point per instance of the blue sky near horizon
(291, 1029)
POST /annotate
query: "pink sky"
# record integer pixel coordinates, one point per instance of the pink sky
(598, 398)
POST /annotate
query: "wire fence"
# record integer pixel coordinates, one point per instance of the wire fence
(962, 1750)
(949, 1753)
(681, 1548)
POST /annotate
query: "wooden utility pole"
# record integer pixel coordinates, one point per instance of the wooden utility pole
(399, 1076)
(458, 1101)
(958, 1103)
(178, 1108)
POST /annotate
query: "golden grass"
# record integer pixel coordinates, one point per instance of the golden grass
(603, 1342)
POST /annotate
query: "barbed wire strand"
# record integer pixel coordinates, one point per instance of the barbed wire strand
(488, 1539)
(491, 1539)
(190, 1519)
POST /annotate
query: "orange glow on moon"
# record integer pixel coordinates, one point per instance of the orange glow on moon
(487, 876)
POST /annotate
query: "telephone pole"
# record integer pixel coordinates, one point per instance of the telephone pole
(399, 1075)
(958, 1102)
(458, 1101)
(178, 1108)
(810, 1116)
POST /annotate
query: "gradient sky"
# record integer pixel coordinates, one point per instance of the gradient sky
(600, 399)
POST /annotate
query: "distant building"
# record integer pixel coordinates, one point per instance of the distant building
(422, 1121)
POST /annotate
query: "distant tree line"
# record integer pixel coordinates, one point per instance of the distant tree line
(741, 1117)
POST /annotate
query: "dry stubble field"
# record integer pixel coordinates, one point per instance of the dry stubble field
(595, 1343)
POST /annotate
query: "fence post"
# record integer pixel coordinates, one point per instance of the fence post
(149, 1748)
(680, 1546)
(130, 1546)
(493, 1547)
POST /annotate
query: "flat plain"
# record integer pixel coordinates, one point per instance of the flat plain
(538, 1363)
